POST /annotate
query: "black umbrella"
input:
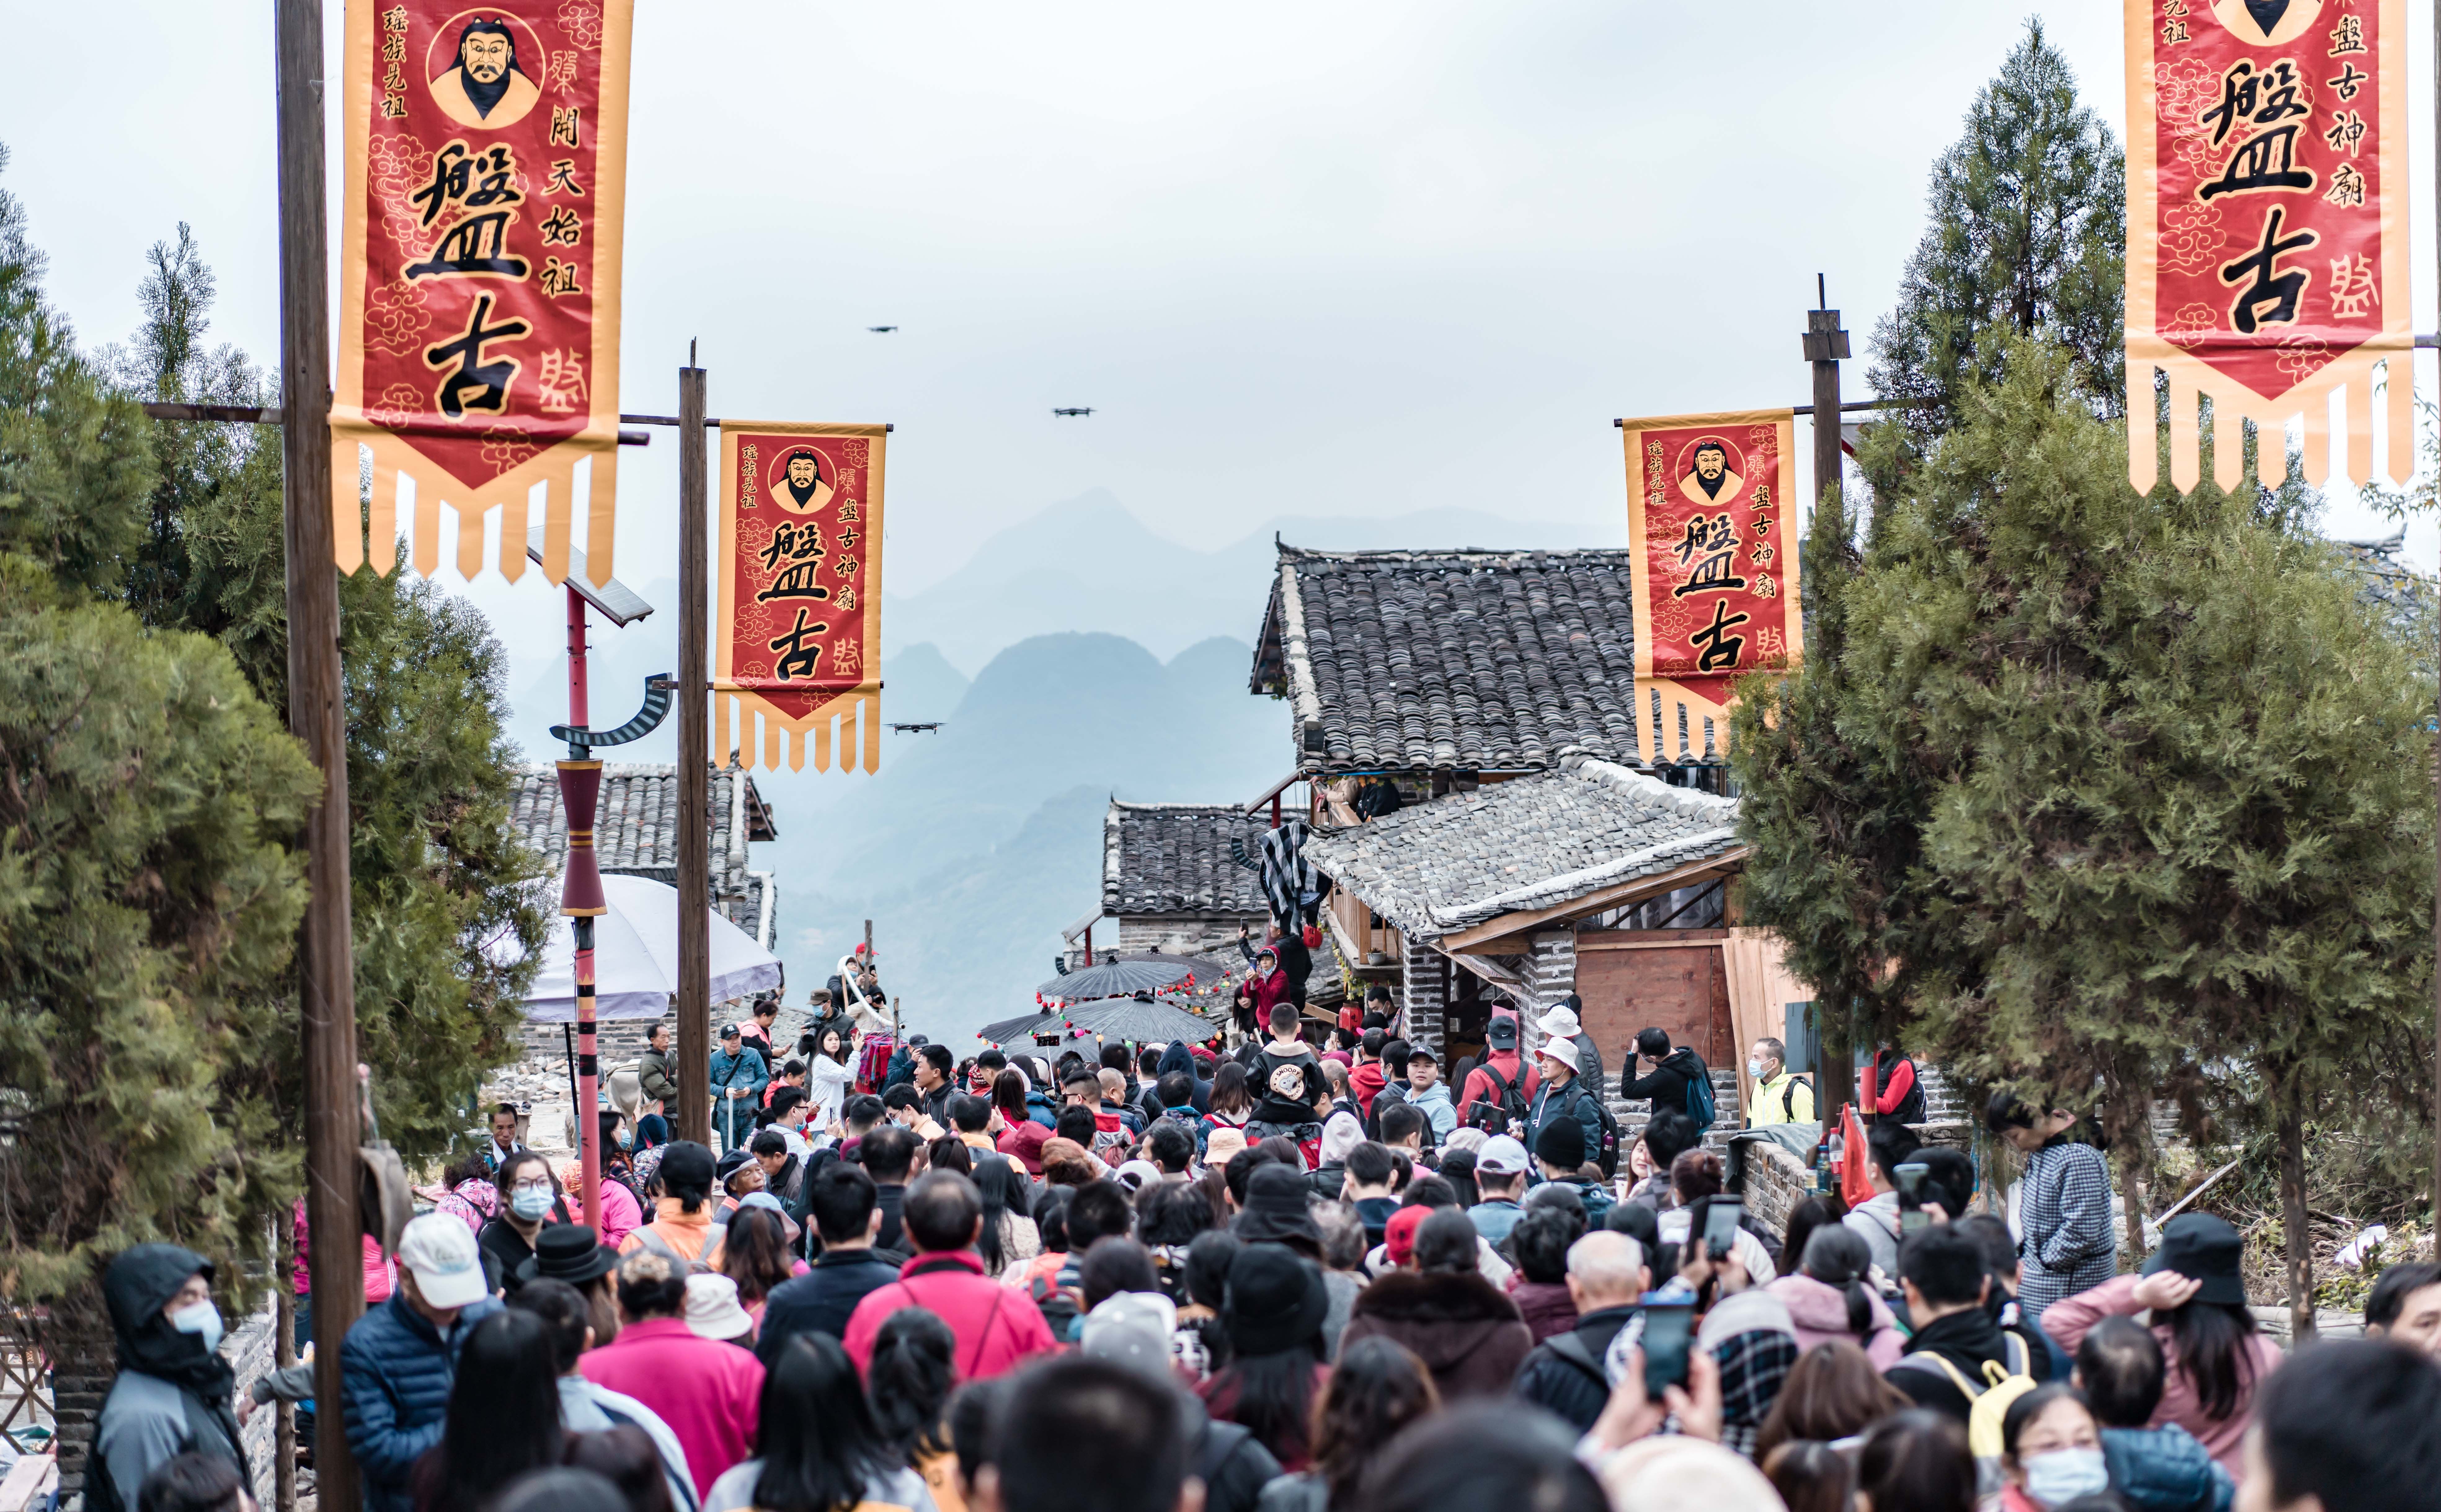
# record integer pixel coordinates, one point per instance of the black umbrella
(1019, 1029)
(1138, 1019)
(1116, 979)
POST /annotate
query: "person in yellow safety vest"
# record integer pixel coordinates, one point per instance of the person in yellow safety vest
(1779, 1095)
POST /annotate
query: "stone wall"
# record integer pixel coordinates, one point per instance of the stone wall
(1181, 934)
(1423, 993)
(1551, 968)
(1776, 1182)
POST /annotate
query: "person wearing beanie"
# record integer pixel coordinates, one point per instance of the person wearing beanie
(1272, 1313)
(1560, 1150)
(1399, 1235)
(1438, 1306)
(1278, 1209)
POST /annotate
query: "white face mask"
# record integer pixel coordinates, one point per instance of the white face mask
(2063, 1475)
(199, 1318)
(1754, 1068)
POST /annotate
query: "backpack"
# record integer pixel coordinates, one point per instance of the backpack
(1606, 1156)
(1700, 1104)
(1508, 1098)
(1989, 1403)
(696, 1266)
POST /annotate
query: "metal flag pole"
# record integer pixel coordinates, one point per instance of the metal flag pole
(588, 1131)
(695, 760)
(1825, 345)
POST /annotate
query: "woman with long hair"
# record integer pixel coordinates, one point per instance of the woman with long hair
(1832, 1391)
(757, 1258)
(1829, 1298)
(1273, 1311)
(503, 1416)
(828, 1071)
(1376, 1388)
(1230, 1101)
(1811, 1214)
(1009, 1237)
(1020, 1138)
(817, 1447)
(2214, 1358)
(913, 1369)
(949, 1153)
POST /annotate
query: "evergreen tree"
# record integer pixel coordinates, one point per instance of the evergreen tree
(2026, 235)
(440, 886)
(151, 807)
(150, 892)
(2176, 827)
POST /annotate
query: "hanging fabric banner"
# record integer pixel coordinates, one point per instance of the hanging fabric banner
(799, 634)
(2267, 229)
(479, 277)
(1712, 527)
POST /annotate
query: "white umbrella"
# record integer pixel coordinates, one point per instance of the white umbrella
(636, 958)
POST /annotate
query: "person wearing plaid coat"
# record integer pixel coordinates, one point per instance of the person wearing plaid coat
(2067, 1243)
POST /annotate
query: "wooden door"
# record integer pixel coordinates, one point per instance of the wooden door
(1671, 979)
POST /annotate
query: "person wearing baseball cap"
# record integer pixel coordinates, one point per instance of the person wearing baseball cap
(1501, 1168)
(399, 1360)
(1500, 1088)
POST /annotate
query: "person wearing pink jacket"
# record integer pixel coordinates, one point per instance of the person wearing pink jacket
(997, 1327)
(2214, 1361)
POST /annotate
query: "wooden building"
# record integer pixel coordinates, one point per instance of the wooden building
(1548, 836)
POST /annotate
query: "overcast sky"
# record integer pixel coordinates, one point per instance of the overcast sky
(1351, 259)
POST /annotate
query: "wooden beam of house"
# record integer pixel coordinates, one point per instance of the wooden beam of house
(1492, 937)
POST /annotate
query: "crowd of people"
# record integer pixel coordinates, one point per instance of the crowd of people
(1279, 1279)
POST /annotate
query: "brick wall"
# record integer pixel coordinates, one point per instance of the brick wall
(1424, 993)
(1551, 968)
(1776, 1182)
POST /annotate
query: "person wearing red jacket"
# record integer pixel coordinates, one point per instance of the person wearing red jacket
(997, 1327)
(1367, 1078)
(1887, 1084)
(1500, 1064)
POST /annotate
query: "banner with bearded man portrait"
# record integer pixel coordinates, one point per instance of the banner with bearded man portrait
(479, 280)
(797, 633)
(1712, 526)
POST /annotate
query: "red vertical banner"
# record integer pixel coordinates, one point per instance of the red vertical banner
(798, 638)
(2267, 229)
(479, 271)
(1713, 526)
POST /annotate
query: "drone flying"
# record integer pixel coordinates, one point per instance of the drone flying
(1085, 411)
(916, 729)
(880, 328)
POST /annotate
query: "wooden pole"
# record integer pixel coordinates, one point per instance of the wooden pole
(587, 1065)
(318, 715)
(283, 1354)
(1825, 345)
(695, 772)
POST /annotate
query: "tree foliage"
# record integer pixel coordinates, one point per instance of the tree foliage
(151, 807)
(2025, 234)
(2104, 791)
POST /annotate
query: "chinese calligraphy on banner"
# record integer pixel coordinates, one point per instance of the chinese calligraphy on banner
(479, 277)
(2267, 227)
(799, 633)
(1712, 526)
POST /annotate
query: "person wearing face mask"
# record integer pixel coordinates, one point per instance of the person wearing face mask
(173, 1391)
(2051, 1451)
(1780, 1096)
(529, 1199)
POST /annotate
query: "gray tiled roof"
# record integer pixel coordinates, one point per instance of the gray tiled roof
(635, 827)
(1175, 858)
(1451, 660)
(1528, 843)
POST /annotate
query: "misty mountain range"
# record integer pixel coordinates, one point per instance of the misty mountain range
(1106, 661)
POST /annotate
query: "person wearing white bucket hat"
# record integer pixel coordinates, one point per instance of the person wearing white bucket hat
(1563, 1023)
(712, 1311)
